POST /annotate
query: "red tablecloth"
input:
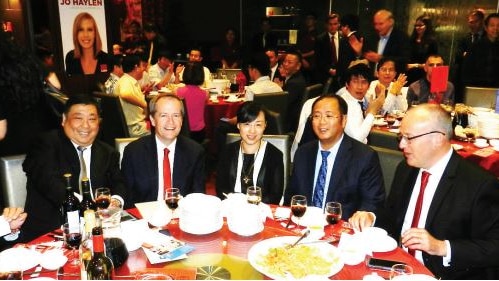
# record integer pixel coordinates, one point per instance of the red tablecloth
(212, 115)
(229, 250)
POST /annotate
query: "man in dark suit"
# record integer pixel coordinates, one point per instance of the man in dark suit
(353, 176)
(295, 85)
(56, 153)
(265, 38)
(391, 41)
(145, 160)
(275, 75)
(454, 227)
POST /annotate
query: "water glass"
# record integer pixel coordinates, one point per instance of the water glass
(254, 195)
(400, 269)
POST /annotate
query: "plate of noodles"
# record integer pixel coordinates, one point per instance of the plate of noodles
(274, 259)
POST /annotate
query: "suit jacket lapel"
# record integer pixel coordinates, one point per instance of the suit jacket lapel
(152, 164)
(310, 166)
(68, 152)
(338, 169)
(444, 187)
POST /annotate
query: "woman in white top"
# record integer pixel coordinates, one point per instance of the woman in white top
(394, 89)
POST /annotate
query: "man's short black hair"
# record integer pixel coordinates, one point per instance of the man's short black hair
(261, 62)
(130, 62)
(116, 60)
(350, 20)
(80, 99)
(165, 54)
(357, 70)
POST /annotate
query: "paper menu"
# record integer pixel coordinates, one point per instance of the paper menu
(160, 248)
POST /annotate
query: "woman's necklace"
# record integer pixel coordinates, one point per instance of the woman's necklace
(247, 176)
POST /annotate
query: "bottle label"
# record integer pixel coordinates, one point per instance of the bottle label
(89, 216)
(98, 243)
(73, 221)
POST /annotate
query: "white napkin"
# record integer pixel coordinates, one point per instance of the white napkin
(353, 248)
(282, 213)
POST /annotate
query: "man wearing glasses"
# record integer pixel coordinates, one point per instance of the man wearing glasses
(443, 208)
(164, 159)
(336, 167)
(419, 91)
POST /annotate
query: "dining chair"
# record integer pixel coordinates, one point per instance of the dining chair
(13, 180)
(388, 159)
(312, 91)
(480, 97)
(113, 123)
(279, 141)
(276, 102)
(121, 143)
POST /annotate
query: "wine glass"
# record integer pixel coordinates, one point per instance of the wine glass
(102, 198)
(400, 269)
(72, 239)
(254, 195)
(333, 212)
(298, 206)
(172, 195)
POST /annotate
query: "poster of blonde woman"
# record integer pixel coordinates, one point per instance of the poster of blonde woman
(83, 31)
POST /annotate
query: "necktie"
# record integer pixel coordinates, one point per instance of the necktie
(419, 203)
(167, 177)
(334, 58)
(321, 181)
(361, 103)
(149, 60)
(83, 166)
(474, 37)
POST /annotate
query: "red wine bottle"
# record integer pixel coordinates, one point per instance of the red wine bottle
(71, 207)
(100, 266)
(87, 203)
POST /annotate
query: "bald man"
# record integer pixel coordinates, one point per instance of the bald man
(456, 234)
(391, 42)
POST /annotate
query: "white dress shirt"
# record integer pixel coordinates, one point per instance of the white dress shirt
(156, 74)
(262, 85)
(306, 111)
(357, 126)
(392, 102)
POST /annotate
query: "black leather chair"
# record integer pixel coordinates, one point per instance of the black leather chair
(312, 91)
(276, 102)
(113, 123)
(388, 159)
(274, 123)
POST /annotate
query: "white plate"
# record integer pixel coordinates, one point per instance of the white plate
(313, 216)
(20, 258)
(379, 122)
(385, 244)
(414, 277)
(327, 251)
(53, 259)
(481, 145)
(457, 146)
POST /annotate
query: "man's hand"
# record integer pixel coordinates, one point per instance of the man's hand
(356, 44)
(376, 104)
(361, 219)
(15, 217)
(421, 239)
(372, 56)
(380, 89)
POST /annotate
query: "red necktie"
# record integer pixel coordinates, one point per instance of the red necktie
(419, 203)
(167, 177)
(333, 50)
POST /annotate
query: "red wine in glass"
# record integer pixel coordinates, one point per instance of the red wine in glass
(172, 202)
(333, 218)
(298, 210)
(73, 240)
(103, 202)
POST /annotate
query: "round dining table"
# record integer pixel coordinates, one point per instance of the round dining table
(227, 251)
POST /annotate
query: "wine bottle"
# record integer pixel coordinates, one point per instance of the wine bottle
(87, 203)
(87, 244)
(71, 207)
(100, 266)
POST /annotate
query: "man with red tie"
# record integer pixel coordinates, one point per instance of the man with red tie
(444, 209)
(327, 52)
(165, 159)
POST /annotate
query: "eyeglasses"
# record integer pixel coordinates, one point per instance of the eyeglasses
(318, 116)
(407, 139)
(386, 70)
(435, 64)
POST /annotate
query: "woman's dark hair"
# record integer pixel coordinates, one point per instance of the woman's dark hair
(21, 77)
(248, 112)
(429, 33)
(193, 73)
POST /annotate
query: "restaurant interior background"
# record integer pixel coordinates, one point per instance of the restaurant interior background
(187, 23)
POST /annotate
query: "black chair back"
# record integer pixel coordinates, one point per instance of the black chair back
(276, 102)
(113, 123)
(312, 91)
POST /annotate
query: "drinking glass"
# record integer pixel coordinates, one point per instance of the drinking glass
(400, 269)
(333, 212)
(254, 195)
(172, 195)
(102, 198)
(470, 134)
(298, 206)
(11, 275)
(72, 239)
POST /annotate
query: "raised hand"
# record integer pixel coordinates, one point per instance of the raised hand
(398, 84)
